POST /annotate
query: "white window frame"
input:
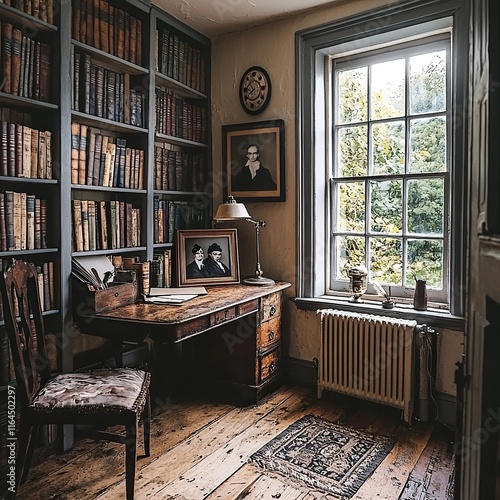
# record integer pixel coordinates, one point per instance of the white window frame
(390, 51)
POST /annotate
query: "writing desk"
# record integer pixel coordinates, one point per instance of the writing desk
(231, 337)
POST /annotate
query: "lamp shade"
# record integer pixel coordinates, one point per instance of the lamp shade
(231, 210)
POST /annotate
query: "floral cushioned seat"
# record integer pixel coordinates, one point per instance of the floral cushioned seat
(116, 390)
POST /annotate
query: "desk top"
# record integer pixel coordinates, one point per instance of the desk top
(175, 322)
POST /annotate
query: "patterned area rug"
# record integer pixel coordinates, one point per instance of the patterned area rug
(324, 456)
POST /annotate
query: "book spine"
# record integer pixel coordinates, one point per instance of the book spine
(77, 226)
(9, 219)
(38, 223)
(30, 222)
(34, 153)
(4, 148)
(3, 228)
(82, 155)
(7, 57)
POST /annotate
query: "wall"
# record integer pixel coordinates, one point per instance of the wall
(272, 46)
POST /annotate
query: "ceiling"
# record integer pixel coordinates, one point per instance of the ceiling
(217, 17)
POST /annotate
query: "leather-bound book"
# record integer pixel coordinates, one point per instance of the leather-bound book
(45, 67)
(4, 147)
(6, 57)
(16, 61)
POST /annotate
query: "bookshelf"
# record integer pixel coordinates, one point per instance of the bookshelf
(99, 86)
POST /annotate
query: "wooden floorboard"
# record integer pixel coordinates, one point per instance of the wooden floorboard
(200, 450)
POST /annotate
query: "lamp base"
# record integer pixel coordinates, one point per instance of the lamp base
(257, 280)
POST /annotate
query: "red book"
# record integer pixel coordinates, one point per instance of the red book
(45, 81)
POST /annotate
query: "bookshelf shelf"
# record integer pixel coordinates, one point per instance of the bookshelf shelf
(27, 180)
(25, 102)
(84, 187)
(27, 253)
(111, 61)
(110, 251)
(104, 123)
(162, 245)
(188, 194)
(177, 141)
(13, 15)
(180, 88)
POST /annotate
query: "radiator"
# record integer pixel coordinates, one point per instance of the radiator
(367, 356)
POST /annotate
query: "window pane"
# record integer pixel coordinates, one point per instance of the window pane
(387, 89)
(352, 151)
(351, 210)
(425, 261)
(388, 148)
(385, 260)
(428, 82)
(426, 206)
(386, 207)
(350, 252)
(352, 95)
(428, 145)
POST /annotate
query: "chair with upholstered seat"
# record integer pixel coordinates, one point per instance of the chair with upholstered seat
(107, 397)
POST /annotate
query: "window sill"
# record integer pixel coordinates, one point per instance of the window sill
(433, 317)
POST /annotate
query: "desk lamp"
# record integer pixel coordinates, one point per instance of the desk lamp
(231, 210)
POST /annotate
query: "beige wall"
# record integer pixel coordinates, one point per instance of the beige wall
(271, 46)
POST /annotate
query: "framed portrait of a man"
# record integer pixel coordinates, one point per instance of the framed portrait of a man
(254, 159)
(207, 257)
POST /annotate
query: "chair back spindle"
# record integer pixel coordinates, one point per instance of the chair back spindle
(23, 317)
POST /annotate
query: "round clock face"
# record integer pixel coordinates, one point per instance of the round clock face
(255, 90)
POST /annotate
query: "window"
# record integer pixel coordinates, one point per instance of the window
(382, 150)
(390, 183)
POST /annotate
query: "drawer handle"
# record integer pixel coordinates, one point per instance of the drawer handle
(226, 313)
(272, 311)
(116, 294)
(272, 367)
(270, 336)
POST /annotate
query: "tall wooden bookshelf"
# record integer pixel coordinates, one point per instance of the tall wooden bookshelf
(105, 75)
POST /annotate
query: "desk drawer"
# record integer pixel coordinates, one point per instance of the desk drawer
(270, 307)
(269, 332)
(247, 307)
(268, 364)
(223, 315)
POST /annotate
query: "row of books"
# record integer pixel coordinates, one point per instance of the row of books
(103, 225)
(23, 221)
(104, 93)
(106, 27)
(172, 215)
(26, 65)
(41, 9)
(178, 170)
(160, 269)
(25, 151)
(179, 60)
(99, 159)
(45, 282)
(178, 117)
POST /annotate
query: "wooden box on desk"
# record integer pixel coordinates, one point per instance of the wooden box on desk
(87, 301)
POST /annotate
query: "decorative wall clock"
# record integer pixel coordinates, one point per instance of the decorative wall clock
(255, 90)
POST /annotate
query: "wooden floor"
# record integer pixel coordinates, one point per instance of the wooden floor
(200, 450)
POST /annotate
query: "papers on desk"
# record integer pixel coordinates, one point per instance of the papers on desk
(169, 299)
(173, 295)
(192, 290)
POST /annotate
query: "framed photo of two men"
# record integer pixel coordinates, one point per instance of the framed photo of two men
(254, 159)
(207, 257)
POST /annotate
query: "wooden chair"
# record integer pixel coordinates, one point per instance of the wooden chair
(101, 398)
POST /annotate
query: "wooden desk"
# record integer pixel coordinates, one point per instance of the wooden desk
(231, 337)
